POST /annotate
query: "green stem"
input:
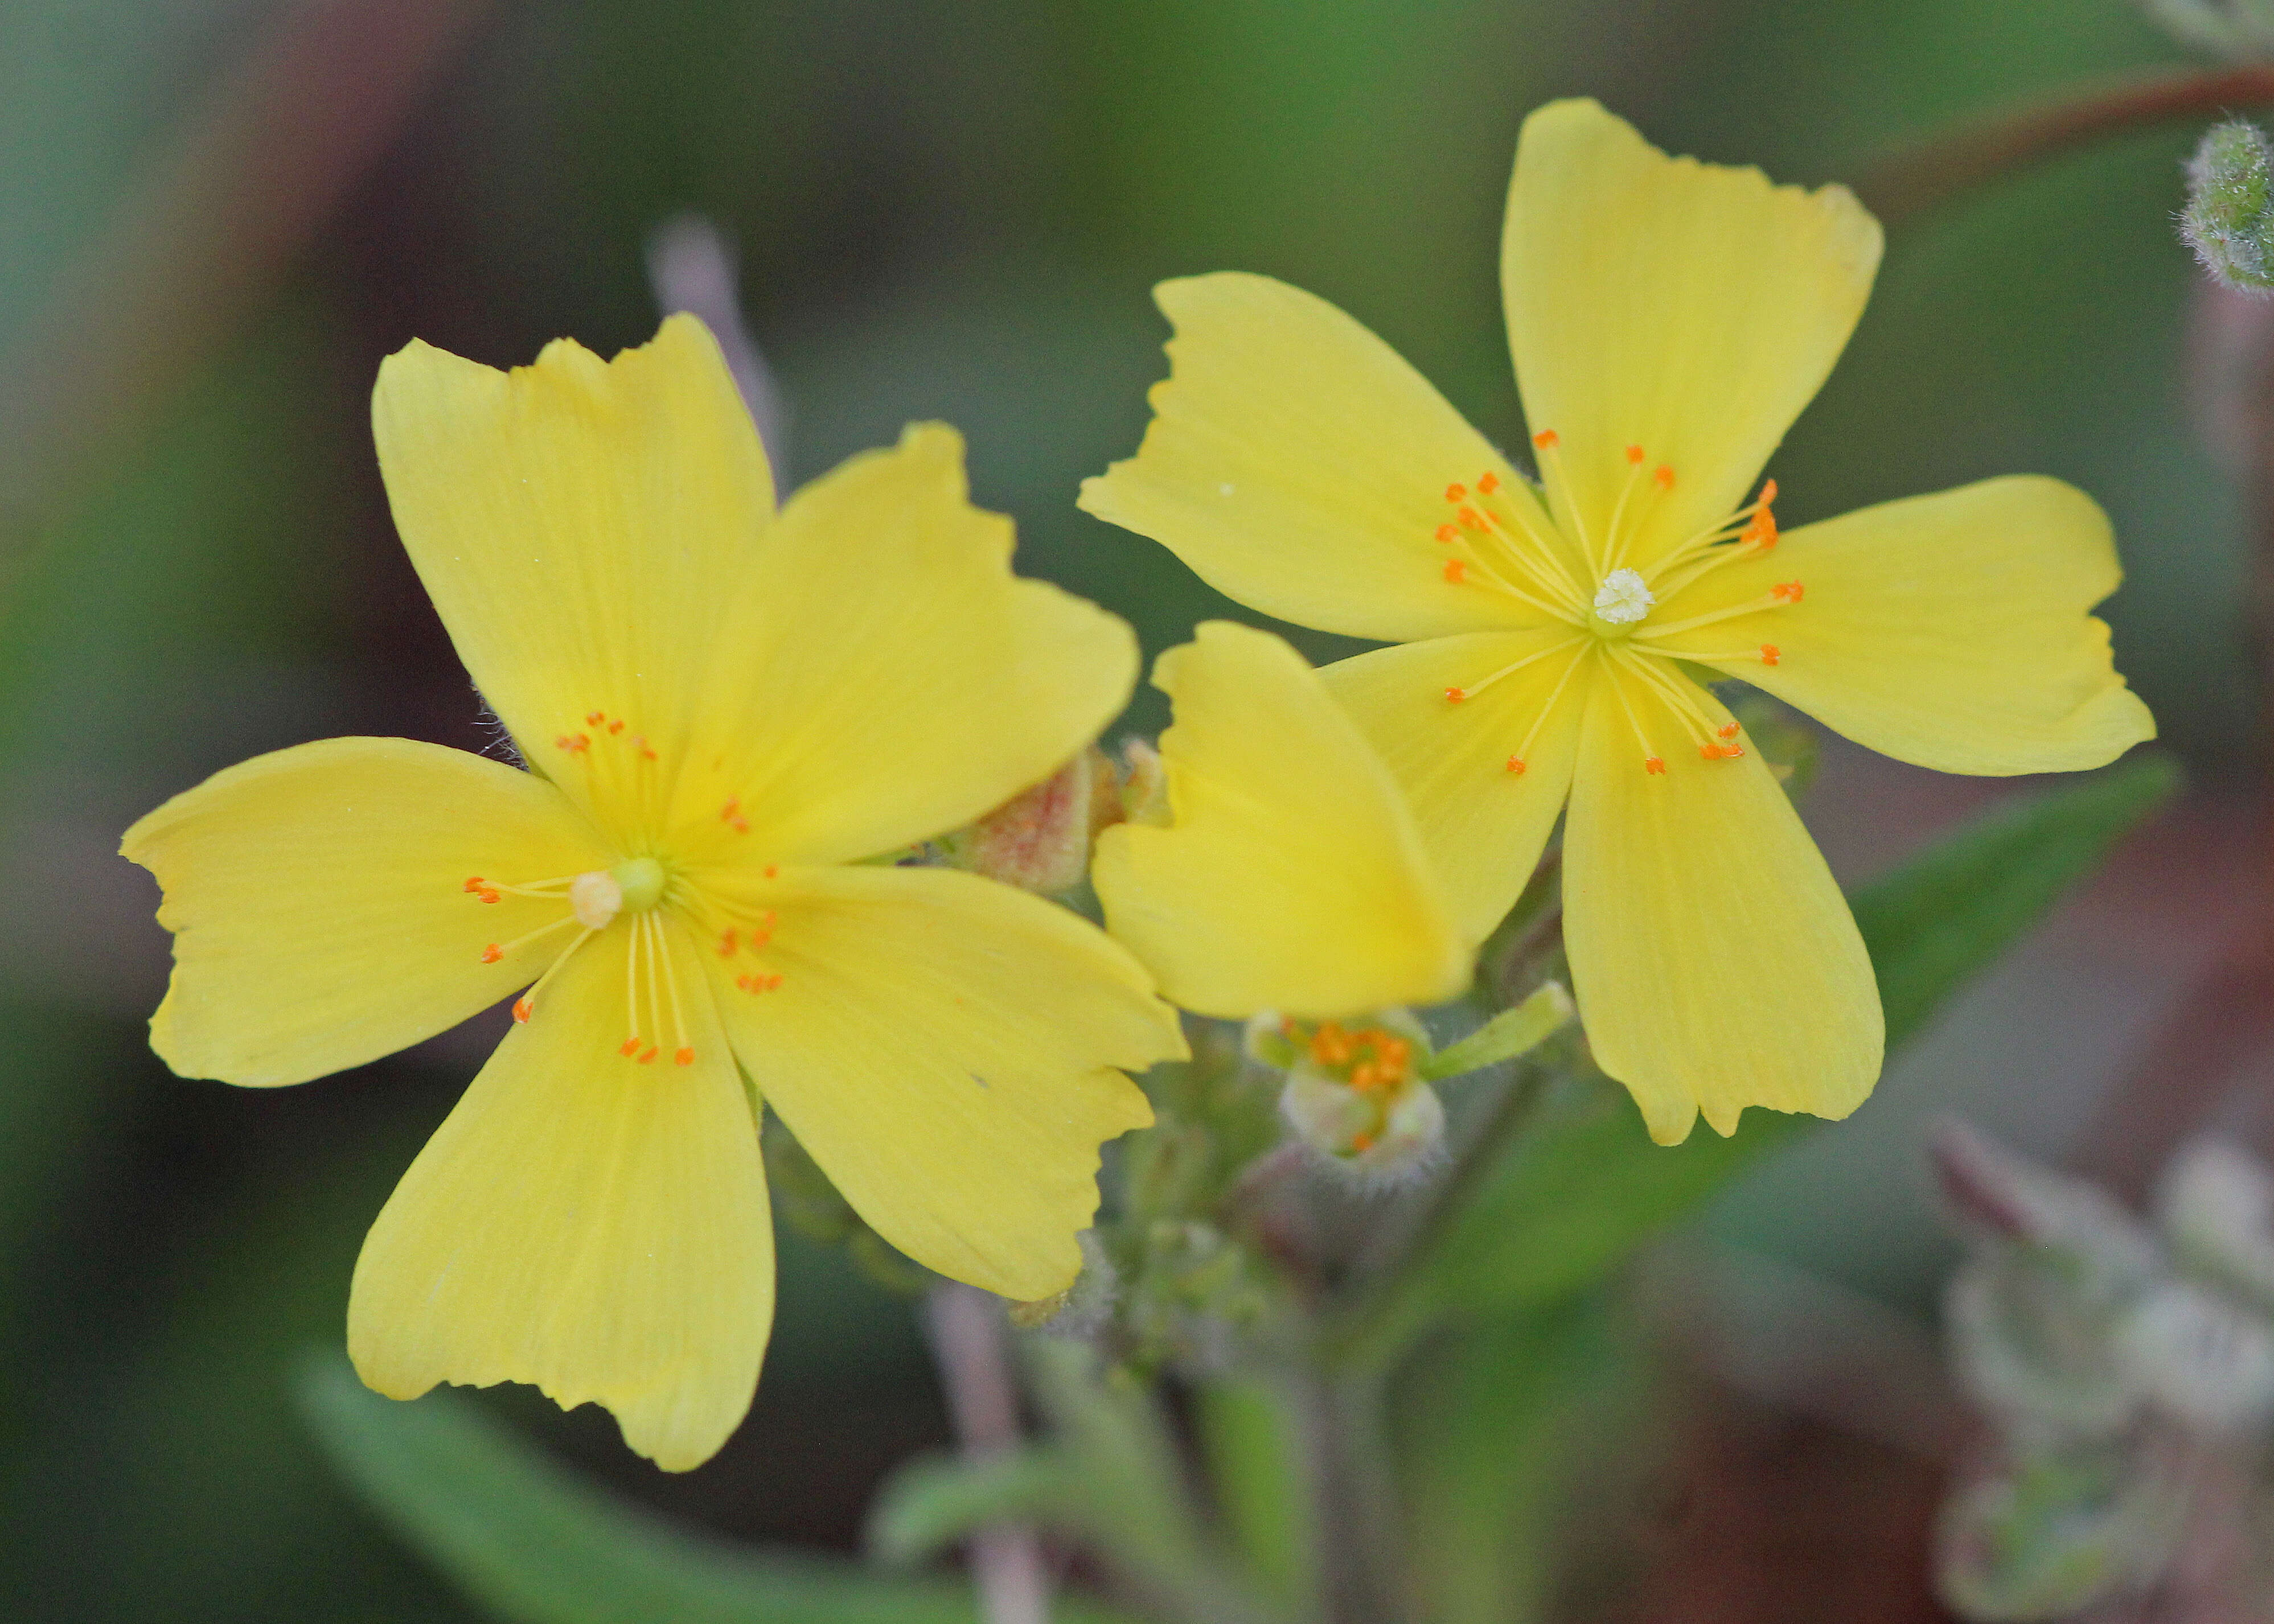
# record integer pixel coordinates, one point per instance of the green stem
(1941, 170)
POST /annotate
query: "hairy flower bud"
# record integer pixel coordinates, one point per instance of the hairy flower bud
(2227, 221)
(1039, 840)
(1081, 1310)
(1355, 1093)
(1144, 784)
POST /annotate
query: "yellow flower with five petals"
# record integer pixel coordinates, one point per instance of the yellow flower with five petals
(1669, 320)
(726, 711)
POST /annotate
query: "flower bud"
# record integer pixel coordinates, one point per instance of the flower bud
(2196, 1358)
(1039, 840)
(2227, 221)
(1080, 1311)
(1355, 1094)
(1144, 785)
(2217, 1208)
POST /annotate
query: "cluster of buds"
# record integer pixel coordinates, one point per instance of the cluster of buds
(2229, 219)
(2126, 1369)
(1355, 1093)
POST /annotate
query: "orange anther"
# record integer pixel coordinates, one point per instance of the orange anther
(493, 953)
(733, 804)
(1651, 764)
(1455, 492)
(1547, 439)
(631, 1048)
(683, 1056)
(522, 1010)
(1728, 730)
(1768, 491)
(641, 745)
(1454, 570)
(1770, 654)
(1664, 476)
(1487, 482)
(1361, 1142)
(1366, 1074)
(1761, 531)
(726, 945)
(649, 1058)
(1788, 590)
(490, 896)
(774, 981)
(1711, 752)
(617, 726)
(1471, 517)
(474, 885)
(741, 825)
(1446, 532)
(593, 719)
(574, 743)
(1634, 455)
(1396, 1049)
(1454, 695)
(1516, 765)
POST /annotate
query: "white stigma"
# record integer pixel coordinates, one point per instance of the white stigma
(1623, 598)
(595, 898)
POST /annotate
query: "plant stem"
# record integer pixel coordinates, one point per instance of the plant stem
(1902, 188)
(968, 1340)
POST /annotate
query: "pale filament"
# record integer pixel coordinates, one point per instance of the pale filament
(622, 766)
(1754, 524)
(1516, 763)
(1661, 481)
(1514, 532)
(1677, 695)
(1474, 689)
(1650, 759)
(1775, 598)
(525, 1007)
(1549, 446)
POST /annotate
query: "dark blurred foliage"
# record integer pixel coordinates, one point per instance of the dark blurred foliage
(949, 208)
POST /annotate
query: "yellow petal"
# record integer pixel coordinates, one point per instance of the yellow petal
(318, 901)
(1482, 823)
(578, 524)
(1684, 307)
(1715, 962)
(1291, 877)
(883, 677)
(946, 1046)
(1948, 630)
(594, 1226)
(1300, 466)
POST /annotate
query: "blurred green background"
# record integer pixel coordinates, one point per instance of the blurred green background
(945, 208)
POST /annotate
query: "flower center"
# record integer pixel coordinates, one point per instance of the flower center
(1623, 598)
(1532, 543)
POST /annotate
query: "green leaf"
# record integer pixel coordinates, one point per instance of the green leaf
(1252, 1436)
(936, 1500)
(528, 1541)
(1583, 1186)
(1524, 1428)
(1515, 1031)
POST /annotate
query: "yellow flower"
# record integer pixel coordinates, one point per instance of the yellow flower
(725, 711)
(1288, 876)
(1668, 320)
(1287, 882)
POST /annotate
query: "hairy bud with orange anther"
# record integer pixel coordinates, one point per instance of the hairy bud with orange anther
(1354, 1091)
